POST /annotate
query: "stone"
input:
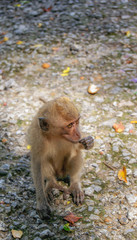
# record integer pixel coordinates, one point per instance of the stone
(131, 198)
(135, 173)
(90, 208)
(46, 233)
(94, 217)
(89, 191)
(123, 220)
(96, 188)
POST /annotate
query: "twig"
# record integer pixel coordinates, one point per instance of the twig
(114, 169)
(42, 100)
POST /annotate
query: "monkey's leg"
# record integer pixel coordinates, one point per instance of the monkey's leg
(43, 207)
(87, 142)
(74, 170)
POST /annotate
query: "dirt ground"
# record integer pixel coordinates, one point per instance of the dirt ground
(96, 41)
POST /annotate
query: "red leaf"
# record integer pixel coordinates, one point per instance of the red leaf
(47, 9)
(71, 218)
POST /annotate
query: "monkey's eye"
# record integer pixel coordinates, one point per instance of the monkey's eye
(70, 125)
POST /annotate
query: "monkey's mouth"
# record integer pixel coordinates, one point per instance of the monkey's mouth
(72, 140)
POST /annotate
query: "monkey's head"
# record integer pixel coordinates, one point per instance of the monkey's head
(60, 118)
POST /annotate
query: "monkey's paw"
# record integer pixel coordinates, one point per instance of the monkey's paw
(87, 142)
(77, 193)
(44, 212)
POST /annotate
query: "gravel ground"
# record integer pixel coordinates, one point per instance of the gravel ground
(97, 40)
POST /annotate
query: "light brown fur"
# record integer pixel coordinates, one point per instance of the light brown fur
(55, 151)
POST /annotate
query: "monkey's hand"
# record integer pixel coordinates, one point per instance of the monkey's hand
(87, 142)
(49, 190)
(77, 193)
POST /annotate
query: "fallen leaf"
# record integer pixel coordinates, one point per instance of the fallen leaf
(107, 220)
(55, 49)
(101, 152)
(4, 140)
(64, 74)
(119, 127)
(16, 234)
(82, 78)
(98, 77)
(128, 61)
(98, 137)
(122, 174)
(67, 70)
(135, 121)
(40, 25)
(47, 9)
(92, 89)
(37, 45)
(45, 65)
(71, 218)
(19, 42)
(67, 228)
(29, 147)
(18, 5)
(5, 39)
(128, 33)
(131, 131)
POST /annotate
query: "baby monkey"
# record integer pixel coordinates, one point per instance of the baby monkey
(56, 144)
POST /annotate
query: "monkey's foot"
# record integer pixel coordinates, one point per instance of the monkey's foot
(87, 142)
(77, 193)
(44, 212)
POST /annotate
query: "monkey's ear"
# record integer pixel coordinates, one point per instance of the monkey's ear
(43, 124)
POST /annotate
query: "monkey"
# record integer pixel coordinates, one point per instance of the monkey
(55, 139)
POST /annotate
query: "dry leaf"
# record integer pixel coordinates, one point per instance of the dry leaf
(119, 127)
(45, 65)
(40, 25)
(134, 121)
(47, 9)
(16, 234)
(122, 174)
(55, 49)
(29, 147)
(37, 45)
(92, 89)
(5, 39)
(66, 70)
(128, 33)
(4, 140)
(71, 218)
(64, 74)
(18, 5)
(98, 77)
(19, 42)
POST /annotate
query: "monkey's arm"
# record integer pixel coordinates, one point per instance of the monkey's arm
(74, 171)
(49, 180)
(87, 142)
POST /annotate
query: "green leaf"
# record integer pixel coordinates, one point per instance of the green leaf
(67, 228)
